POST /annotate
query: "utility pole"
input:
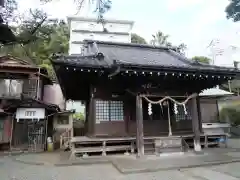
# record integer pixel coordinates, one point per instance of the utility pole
(1, 3)
(1, 10)
(215, 50)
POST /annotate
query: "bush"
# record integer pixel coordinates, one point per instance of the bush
(79, 116)
(230, 113)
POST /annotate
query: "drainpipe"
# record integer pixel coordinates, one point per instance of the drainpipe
(1, 4)
(46, 128)
(229, 86)
(38, 83)
(11, 136)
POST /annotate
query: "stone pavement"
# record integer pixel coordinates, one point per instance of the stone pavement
(214, 164)
(152, 164)
(12, 170)
(129, 164)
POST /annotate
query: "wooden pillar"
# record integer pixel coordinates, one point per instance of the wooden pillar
(169, 121)
(139, 119)
(91, 115)
(195, 124)
(11, 135)
(199, 114)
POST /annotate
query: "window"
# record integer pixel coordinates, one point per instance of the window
(116, 111)
(181, 114)
(30, 113)
(109, 111)
(102, 111)
(111, 37)
(62, 120)
(82, 51)
(11, 87)
(91, 36)
(91, 26)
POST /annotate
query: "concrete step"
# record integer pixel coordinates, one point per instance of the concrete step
(170, 150)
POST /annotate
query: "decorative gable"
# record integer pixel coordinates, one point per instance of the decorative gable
(13, 61)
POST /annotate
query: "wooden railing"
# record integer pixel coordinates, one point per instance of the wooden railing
(65, 138)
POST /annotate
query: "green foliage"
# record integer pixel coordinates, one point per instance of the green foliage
(51, 37)
(102, 6)
(233, 10)
(182, 48)
(8, 14)
(79, 116)
(231, 113)
(202, 59)
(137, 39)
(161, 39)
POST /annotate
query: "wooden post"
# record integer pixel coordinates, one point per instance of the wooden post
(195, 124)
(169, 121)
(91, 115)
(12, 131)
(199, 114)
(139, 119)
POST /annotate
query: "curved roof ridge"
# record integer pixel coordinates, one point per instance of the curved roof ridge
(129, 44)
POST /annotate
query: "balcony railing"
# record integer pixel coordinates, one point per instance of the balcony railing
(11, 88)
(14, 89)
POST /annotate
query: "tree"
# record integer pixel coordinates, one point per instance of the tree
(233, 10)
(36, 38)
(8, 13)
(230, 114)
(182, 48)
(159, 39)
(79, 116)
(202, 59)
(51, 37)
(137, 39)
(102, 6)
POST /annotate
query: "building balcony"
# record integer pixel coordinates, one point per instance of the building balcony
(15, 89)
(11, 89)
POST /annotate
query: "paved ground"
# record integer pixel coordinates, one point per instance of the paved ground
(12, 170)
(129, 164)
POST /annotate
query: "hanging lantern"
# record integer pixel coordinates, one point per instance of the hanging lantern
(185, 109)
(165, 103)
(175, 108)
(161, 107)
(149, 109)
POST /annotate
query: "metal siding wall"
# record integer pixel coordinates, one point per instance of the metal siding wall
(209, 110)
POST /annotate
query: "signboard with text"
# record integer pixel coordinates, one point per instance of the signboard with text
(30, 113)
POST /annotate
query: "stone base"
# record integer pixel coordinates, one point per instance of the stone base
(197, 146)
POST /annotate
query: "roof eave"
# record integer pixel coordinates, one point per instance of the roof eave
(135, 67)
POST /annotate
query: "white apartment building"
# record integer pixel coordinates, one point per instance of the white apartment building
(85, 28)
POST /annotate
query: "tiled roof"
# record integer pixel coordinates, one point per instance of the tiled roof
(135, 55)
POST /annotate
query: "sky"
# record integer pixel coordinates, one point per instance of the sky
(193, 22)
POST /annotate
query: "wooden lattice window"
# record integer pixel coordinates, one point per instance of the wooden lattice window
(109, 111)
(181, 114)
